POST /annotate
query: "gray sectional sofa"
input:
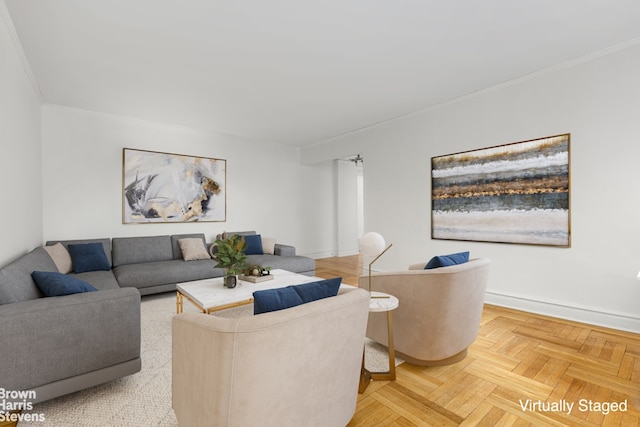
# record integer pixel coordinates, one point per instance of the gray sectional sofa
(155, 264)
(61, 344)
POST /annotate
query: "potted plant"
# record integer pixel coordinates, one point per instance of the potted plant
(231, 256)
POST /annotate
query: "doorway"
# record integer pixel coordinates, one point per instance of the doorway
(349, 198)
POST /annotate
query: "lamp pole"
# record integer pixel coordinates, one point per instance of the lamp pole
(371, 263)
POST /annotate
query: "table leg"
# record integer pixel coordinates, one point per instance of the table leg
(179, 302)
(392, 350)
(391, 375)
(365, 376)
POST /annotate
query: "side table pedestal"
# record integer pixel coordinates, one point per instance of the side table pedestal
(381, 302)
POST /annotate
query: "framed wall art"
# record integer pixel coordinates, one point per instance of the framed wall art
(164, 187)
(513, 193)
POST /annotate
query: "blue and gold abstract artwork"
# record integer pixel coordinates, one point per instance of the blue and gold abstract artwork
(163, 187)
(514, 193)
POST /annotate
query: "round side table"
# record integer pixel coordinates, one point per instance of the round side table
(381, 302)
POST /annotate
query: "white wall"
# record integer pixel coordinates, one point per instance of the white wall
(267, 189)
(20, 157)
(597, 101)
(347, 208)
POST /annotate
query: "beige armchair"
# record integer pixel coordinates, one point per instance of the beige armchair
(439, 312)
(293, 367)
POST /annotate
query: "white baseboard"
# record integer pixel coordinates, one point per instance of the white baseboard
(348, 252)
(316, 255)
(562, 310)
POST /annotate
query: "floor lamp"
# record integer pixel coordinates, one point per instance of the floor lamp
(373, 244)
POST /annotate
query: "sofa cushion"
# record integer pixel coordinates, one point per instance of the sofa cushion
(447, 260)
(101, 280)
(105, 242)
(268, 245)
(175, 246)
(88, 257)
(60, 256)
(193, 249)
(54, 284)
(165, 272)
(275, 299)
(16, 283)
(291, 296)
(135, 250)
(318, 290)
(254, 244)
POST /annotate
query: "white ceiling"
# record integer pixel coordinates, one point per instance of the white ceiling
(299, 71)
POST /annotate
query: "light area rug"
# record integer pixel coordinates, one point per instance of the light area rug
(144, 399)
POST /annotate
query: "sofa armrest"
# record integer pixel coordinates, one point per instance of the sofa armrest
(284, 250)
(49, 339)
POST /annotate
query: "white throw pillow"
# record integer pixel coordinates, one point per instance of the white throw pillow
(61, 258)
(193, 249)
(268, 245)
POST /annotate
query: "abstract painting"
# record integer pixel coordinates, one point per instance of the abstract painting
(164, 187)
(514, 193)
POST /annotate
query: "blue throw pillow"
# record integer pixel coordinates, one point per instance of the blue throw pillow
(317, 290)
(447, 260)
(275, 299)
(54, 284)
(254, 244)
(88, 257)
(291, 296)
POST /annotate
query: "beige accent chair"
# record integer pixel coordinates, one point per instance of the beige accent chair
(294, 367)
(439, 313)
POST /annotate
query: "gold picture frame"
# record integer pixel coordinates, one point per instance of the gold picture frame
(160, 187)
(513, 193)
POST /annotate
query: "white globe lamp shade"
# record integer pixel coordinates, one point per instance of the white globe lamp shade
(372, 244)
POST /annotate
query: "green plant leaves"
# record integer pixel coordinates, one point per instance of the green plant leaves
(231, 254)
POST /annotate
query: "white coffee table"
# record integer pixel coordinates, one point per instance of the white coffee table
(211, 295)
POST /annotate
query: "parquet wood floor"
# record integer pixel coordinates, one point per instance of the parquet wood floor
(523, 370)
